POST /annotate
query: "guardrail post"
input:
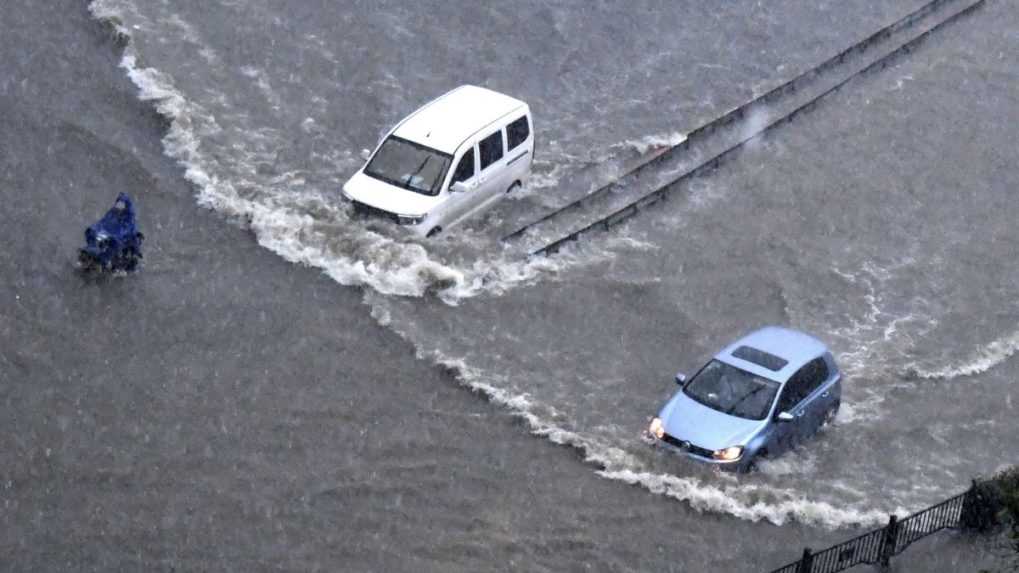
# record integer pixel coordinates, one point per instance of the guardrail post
(980, 507)
(807, 562)
(890, 537)
(967, 515)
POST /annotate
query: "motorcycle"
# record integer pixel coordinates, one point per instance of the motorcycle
(113, 243)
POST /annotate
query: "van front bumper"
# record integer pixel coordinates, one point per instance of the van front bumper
(413, 222)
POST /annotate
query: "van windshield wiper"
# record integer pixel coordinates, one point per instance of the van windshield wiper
(415, 173)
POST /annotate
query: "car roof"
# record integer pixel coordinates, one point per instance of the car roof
(446, 122)
(796, 348)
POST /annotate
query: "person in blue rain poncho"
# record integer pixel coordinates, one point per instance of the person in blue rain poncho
(114, 242)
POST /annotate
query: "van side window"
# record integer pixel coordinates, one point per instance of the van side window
(517, 132)
(491, 149)
(464, 169)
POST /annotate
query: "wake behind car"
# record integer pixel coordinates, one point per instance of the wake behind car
(451, 159)
(760, 396)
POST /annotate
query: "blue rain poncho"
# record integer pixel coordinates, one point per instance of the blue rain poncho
(114, 242)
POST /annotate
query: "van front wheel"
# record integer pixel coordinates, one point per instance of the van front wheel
(516, 185)
(433, 232)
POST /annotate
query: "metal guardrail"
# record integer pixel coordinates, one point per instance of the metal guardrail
(713, 163)
(877, 547)
(791, 86)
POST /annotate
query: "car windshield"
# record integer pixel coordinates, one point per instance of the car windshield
(409, 165)
(732, 391)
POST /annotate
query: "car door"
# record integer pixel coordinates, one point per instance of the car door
(520, 145)
(492, 173)
(830, 393)
(458, 203)
(818, 397)
(785, 435)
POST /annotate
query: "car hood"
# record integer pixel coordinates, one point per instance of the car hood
(686, 419)
(382, 195)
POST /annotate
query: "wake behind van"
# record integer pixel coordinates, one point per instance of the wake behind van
(451, 159)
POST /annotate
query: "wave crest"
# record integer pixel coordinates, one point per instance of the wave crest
(982, 360)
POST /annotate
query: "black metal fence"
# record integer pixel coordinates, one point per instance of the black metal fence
(877, 547)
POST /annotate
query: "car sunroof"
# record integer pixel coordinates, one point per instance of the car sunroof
(760, 358)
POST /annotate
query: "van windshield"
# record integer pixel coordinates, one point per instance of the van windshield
(409, 165)
(730, 390)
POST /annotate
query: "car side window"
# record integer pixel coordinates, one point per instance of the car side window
(817, 372)
(491, 149)
(805, 381)
(517, 132)
(464, 169)
(792, 394)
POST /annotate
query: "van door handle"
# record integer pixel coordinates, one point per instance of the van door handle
(826, 394)
(800, 413)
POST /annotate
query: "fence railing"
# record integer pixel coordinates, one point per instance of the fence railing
(877, 547)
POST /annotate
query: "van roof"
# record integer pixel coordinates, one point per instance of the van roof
(446, 122)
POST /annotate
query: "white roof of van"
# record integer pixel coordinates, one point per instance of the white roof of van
(448, 121)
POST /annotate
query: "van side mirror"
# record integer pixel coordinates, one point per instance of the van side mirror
(366, 154)
(680, 378)
(458, 187)
(784, 417)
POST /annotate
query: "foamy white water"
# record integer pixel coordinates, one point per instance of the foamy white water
(984, 359)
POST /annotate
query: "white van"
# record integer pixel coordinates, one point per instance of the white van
(450, 159)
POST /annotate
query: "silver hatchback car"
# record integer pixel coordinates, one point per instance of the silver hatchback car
(760, 396)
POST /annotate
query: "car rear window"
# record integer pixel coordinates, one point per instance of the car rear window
(518, 132)
(760, 358)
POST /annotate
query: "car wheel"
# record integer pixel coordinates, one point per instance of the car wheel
(433, 232)
(829, 416)
(752, 465)
(130, 264)
(86, 261)
(516, 185)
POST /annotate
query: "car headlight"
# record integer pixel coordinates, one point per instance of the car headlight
(729, 454)
(656, 429)
(407, 220)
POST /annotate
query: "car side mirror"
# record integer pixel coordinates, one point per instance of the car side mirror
(458, 187)
(680, 378)
(366, 154)
(784, 417)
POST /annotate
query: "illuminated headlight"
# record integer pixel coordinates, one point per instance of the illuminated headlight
(406, 220)
(729, 454)
(656, 429)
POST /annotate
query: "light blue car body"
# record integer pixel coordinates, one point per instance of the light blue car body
(697, 430)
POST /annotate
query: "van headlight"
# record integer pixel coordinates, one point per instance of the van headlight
(408, 220)
(729, 454)
(656, 429)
